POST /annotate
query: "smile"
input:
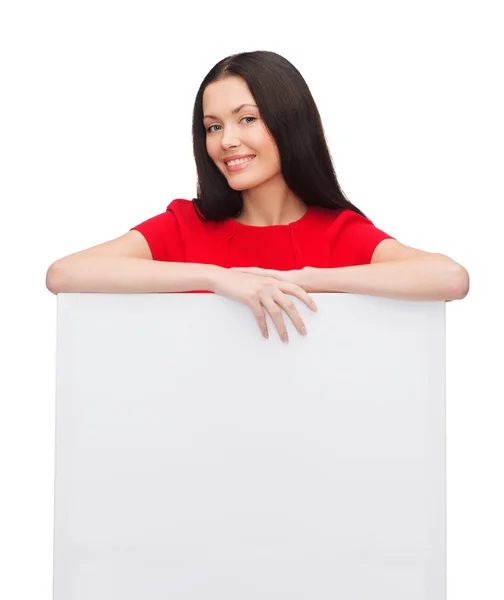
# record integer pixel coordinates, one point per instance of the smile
(239, 165)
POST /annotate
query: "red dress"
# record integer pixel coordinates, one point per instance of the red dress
(322, 238)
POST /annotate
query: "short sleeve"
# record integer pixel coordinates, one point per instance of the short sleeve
(354, 239)
(162, 233)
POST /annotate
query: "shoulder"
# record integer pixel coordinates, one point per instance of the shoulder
(186, 214)
(337, 219)
(338, 215)
(351, 236)
(179, 217)
(342, 219)
(181, 206)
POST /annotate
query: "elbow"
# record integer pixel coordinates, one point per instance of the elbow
(52, 279)
(462, 283)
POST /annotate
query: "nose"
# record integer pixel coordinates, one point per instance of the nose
(229, 140)
(229, 143)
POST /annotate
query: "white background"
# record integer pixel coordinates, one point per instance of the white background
(96, 104)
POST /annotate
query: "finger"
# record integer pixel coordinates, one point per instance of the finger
(276, 315)
(257, 271)
(295, 290)
(258, 312)
(247, 270)
(290, 308)
(241, 269)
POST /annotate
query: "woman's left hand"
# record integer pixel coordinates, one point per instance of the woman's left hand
(289, 276)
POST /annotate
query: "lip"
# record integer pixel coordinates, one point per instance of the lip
(226, 159)
(241, 166)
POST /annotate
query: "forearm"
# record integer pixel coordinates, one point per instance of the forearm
(129, 275)
(413, 280)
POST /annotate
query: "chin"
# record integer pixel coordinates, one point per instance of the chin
(245, 185)
(239, 188)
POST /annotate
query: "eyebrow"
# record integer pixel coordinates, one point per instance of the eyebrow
(234, 111)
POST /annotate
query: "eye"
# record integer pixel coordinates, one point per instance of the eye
(209, 129)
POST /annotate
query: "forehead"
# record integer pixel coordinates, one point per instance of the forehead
(225, 95)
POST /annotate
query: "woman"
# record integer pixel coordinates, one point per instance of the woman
(269, 221)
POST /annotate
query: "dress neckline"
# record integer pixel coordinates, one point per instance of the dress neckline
(299, 221)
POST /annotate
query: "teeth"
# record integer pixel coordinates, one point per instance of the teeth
(231, 163)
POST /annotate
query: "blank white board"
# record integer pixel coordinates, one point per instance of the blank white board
(196, 460)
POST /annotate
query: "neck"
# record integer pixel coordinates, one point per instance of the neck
(270, 206)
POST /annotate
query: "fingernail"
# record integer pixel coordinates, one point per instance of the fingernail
(313, 306)
(303, 330)
(265, 333)
(285, 337)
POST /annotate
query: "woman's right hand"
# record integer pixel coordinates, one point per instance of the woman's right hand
(264, 293)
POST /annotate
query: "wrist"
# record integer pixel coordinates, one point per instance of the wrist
(213, 276)
(303, 277)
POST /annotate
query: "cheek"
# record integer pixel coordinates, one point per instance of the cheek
(259, 141)
(265, 144)
(212, 150)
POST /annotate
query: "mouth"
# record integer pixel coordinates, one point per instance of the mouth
(240, 166)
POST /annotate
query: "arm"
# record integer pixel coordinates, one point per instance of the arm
(122, 275)
(408, 279)
(395, 271)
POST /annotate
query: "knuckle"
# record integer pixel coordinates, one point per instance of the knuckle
(257, 310)
(252, 298)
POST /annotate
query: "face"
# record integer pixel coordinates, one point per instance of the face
(243, 132)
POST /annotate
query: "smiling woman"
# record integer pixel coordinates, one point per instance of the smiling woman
(257, 104)
(269, 219)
